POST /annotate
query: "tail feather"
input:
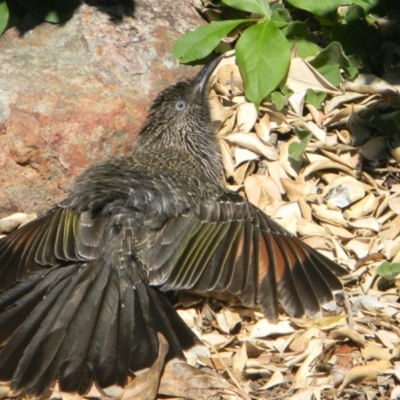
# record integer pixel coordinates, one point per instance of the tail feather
(82, 324)
(11, 319)
(111, 357)
(55, 343)
(76, 371)
(18, 341)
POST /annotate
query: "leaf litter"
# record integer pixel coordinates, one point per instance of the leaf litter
(342, 197)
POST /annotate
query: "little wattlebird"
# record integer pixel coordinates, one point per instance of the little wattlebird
(81, 287)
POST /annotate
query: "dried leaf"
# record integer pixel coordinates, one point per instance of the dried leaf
(366, 223)
(343, 191)
(303, 76)
(292, 209)
(242, 171)
(368, 373)
(363, 207)
(12, 222)
(322, 165)
(395, 152)
(330, 216)
(263, 328)
(252, 142)
(277, 378)
(246, 116)
(214, 339)
(360, 247)
(394, 204)
(375, 149)
(360, 131)
(276, 173)
(386, 340)
(370, 84)
(296, 101)
(296, 190)
(188, 317)
(344, 333)
(263, 128)
(254, 184)
(318, 133)
(227, 161)
(347, 97)
(338, 231)
(243, 155)
(373, 351)
(239, 362)
(145, 386)
(182, 380)
(219, 114)
(290, 166)
(300, 343)
(327, 323)
(229, 75)
(306, 228)
(313, 351)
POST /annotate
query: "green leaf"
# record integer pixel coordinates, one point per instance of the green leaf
(297, 34)
(4, 16)
(388, 271)
(331, 54)
(394, 102)
(320, 8)
(296, 150)
(354, 13)
(305, 48)
(315, 98)
(263, 56)
(296, 30)
(386, 123)
(357, 36)
(201, 42)
(331, 73)
(253, 6)
(379, 7)
(53, 11)
(280, 15)
(329, 61)
(278, 99)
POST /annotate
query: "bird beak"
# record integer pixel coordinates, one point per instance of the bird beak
(204, 75)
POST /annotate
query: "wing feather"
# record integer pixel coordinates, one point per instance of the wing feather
(235, 247)
(48, 241)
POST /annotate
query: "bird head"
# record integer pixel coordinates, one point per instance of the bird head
(180, 119)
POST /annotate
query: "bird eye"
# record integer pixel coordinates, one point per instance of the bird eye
(180, 105)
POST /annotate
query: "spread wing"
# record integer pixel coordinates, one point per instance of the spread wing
(80, 315)
(59, 237)
(232, 246)
(225, 245)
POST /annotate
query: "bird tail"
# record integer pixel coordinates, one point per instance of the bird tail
(83, 324)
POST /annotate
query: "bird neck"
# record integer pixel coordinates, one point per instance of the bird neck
(200, 146)
(205, 149)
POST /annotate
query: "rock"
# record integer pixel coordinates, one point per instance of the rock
(77, 93)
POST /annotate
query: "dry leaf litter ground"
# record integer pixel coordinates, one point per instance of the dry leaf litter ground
(342, 198)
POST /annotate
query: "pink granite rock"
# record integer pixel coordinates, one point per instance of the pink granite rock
(74, 94)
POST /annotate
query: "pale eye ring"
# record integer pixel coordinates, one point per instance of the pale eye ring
(180, 105)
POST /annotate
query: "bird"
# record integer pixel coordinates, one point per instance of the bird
(83, 288)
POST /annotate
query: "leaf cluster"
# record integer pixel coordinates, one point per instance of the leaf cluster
(339, 37)
(53, 11)
(58, 11)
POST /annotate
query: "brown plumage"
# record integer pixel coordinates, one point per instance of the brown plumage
(81, 287)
